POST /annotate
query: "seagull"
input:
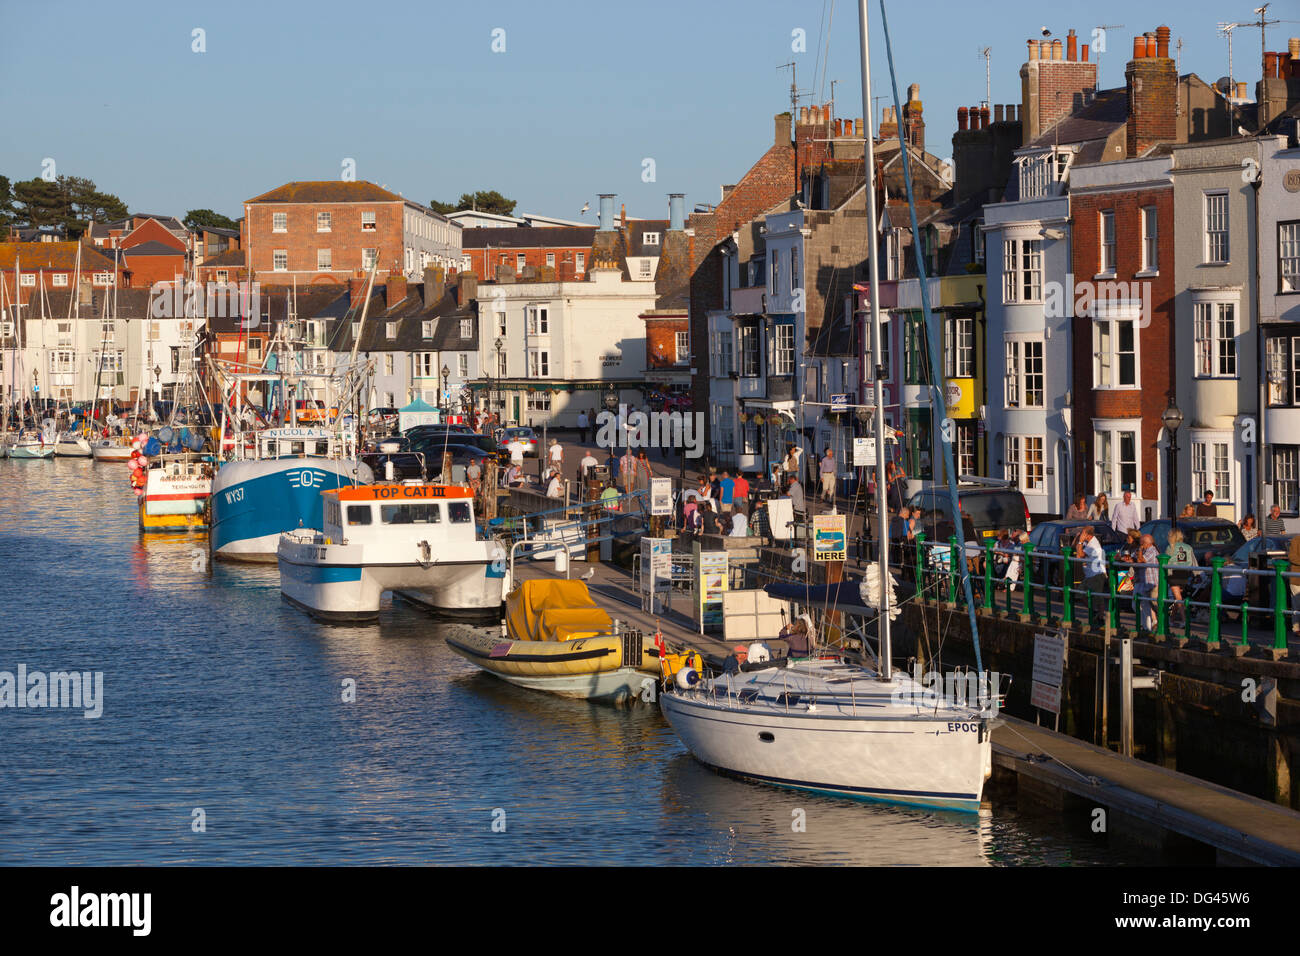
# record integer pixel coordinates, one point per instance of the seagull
(585, 207)
(1046, 32)
(591, 573)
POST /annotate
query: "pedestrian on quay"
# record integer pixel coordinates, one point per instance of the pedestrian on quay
(794, 491)
(1273, 523)
(1293, 562)
(828, 476)
(1181, 559)
(1095, 583)
(1248, 529)
(739, 523)
(726, 491)
(894, 484)
(740, 492)
(1189, 511)
(1126, 515)
(1099, 510)
(1206, 508)
(1148, 577)
(643, 471)
(475, 476)
(583, 424)
(708, 518)
(627, 471)
(1079, 510)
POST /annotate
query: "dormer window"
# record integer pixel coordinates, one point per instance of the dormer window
(650, 238)
(1044, 174)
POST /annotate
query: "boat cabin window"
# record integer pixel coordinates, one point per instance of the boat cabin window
(411, 514)
(297, 448)
(359, 514)
(322, 448)
(332, 515)
(459, 512)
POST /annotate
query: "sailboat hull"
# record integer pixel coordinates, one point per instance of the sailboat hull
(925, 759)
(72, 448)
(31, 452)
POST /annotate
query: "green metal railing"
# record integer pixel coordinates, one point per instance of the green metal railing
(1151, 610)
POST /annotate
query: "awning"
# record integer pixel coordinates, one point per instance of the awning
(844, 596)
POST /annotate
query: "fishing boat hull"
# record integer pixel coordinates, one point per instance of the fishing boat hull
(254, 502)
(931, 759)
(176, 497)
(341, 582)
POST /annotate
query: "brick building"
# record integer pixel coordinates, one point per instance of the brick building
(566, 249)
(323, 232)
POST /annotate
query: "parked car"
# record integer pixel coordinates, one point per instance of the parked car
(1057, 537)
(1208, 537)
(385, 417)
(986, 510)
(519, 433)
(1258, 554)
(405, 465)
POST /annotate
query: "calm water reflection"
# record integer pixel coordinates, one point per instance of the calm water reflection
(221, 697)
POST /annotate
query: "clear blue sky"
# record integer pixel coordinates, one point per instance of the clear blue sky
(582, 94)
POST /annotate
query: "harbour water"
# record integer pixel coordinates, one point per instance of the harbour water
(224, 705)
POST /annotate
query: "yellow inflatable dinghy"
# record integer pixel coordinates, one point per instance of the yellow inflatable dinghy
(557, 639)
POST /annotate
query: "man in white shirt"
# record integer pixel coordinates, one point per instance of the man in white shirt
(588, 462)
(517, 449)
(553, 488)
(582, 426)
(1124, 516)
(1095, 580)
(557, 455)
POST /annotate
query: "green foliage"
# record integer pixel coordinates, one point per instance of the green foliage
(485, 200)
(7, 214)
(70, 201)
(201, 218)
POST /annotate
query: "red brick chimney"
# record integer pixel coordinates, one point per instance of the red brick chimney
(357, 288)
(395, 290)
(1152, 82)
(1052, 85)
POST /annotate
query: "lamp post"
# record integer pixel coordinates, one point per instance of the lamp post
(1173, 418)
(442, 396)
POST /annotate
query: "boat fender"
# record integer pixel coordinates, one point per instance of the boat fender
(687, 678)
(759, 653)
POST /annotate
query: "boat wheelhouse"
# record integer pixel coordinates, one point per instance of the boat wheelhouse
(417, 540)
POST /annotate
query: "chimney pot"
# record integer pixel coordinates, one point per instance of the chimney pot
(1083, 55)
(1241, 90)
(1071, 47)
(997, 113)
(1270, 65)
(963, 117)
(1139, 47)
(1033, 50)
(1162, 41)
(1151, 44)
(984, 117)
(1056, 49)
(857, 126)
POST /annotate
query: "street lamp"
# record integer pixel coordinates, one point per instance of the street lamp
(1173, 418)
(442, 397)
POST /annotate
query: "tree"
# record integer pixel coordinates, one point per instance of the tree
(7, 213)
(71, 201)
(206, 218)
(485, 200)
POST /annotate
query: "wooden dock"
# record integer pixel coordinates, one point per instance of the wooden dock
(1152, 804)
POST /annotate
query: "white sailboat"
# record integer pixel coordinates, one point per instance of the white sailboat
(30, 444)
(112, 448)
(72, 442)
(832, 725)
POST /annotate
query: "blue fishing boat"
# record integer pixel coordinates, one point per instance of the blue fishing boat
(256, 500)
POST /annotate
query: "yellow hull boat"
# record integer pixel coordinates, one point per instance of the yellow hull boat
(558, 640)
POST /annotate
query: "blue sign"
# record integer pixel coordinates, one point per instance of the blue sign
(840, 403)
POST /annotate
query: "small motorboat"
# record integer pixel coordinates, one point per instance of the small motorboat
(414, 538)
(175, 493)
(558, 640)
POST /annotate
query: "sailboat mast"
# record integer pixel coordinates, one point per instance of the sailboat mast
(873, 231)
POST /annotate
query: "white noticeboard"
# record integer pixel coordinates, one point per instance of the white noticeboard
(656, 570)
(1049, 670)
(864, 453)
(661, 497)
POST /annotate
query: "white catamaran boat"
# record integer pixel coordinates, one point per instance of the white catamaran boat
(412, 538)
